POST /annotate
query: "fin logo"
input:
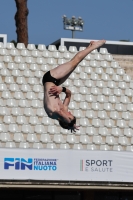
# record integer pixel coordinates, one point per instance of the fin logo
(18, 163)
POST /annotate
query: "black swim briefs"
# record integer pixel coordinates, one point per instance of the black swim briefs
(48, 78)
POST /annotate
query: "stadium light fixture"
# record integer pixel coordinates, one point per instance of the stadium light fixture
(73, 24)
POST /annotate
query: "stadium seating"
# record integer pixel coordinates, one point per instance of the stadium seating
(101, 100)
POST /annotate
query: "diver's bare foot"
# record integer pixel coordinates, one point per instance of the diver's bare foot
(96, 44)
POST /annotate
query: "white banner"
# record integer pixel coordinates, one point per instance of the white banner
(66, 165)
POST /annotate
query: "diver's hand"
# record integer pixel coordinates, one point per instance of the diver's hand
(55, 90)
(74, 128)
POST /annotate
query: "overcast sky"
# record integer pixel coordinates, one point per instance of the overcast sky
(103, 19)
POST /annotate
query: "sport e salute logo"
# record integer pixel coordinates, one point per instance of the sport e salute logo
(30, 163)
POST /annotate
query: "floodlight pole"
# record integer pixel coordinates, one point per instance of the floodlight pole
(73, 24)
(72, 33)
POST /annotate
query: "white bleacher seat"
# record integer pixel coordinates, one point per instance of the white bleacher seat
(3, 87)
(23, 103)
(33, 120)
(103, 51)
(84, 122)
(37, 145)
(129, 148)
(6, 94)
(40, 129)
(126, 115)
(10, 145)
(11, 103)
(18, 95)
(117, 148)
(18, 137)
(52, 48)
(16, 111)
(22, 66)
(78, 69)
(2, 65)
(104, 64)
(121, 123)
(78, 97)
(73, 105)
(64, 146)
(51, 61)
(4, 72)
(62, 49)
(109, 57)
(25, 88)
(40, 61)
(115, 131)
(130, 107)
(3, 128)
(124, 99)
(18, 59)
(73, 49)
(25, 52)
(84, 139)
(12, 66)
(129, 92)
(113, 99)
(82, 48)
(5, 137)
(41, 47)
(52, 129)
(38, 74)
(61, 61)
(123, 140)
(106, 91)
(29, 60)
(78, 146)
(91, 147)
(13, 87)
(103, 131)
(9, 79)
(45, 138)
(102, 114)
(114, 114)
(78, 113)
(73, 76)
(119, 107)
(31, 47)
(99, 70)
(110, 140)
(98, 57)
(97, 139)
(126, 78)
(37, 88)
(20, 46)
(4, 111)
(58, 138)
(21, 120)
(90, 114)
(67, 55)
(95, 51)
(46, 54)
(96, 106)
(24, 145)
(122, 85)
(89, 83)
(35, 103)
(2, 102)
(83, 90)
(104, 147)
(101, 98)
(28, 112)
(47, 121)
(88, 70)
(110, 71)
(57, 54)
(91, 130)
(27, 128)
(116, 78)
(4, 52)
(71, 139)
(109, 123)
(16, 72)
(128, 132)
(97, 122)
(77, 83)
(51, 145)
(10, 46)
(84, 105)
(105, 77)
(117, 92)
(83, 63)
(35, 53)
(90, 98)
(8, 119)
(95, 91)
(94, 76)
(31, 137)
(88, 57)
